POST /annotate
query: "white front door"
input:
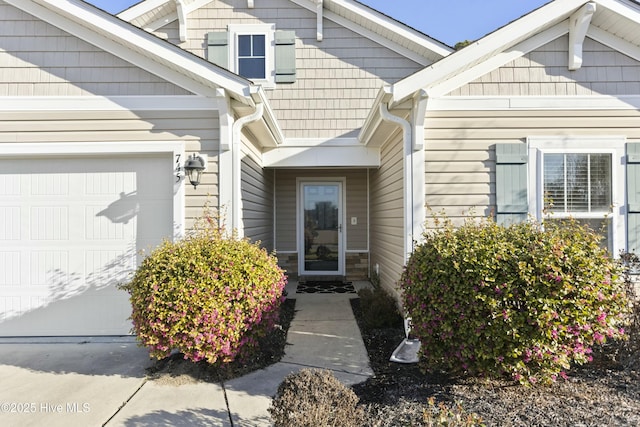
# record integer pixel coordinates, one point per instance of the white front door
(71, 229)
(320, 228)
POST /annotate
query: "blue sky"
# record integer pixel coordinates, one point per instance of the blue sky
(449, 21)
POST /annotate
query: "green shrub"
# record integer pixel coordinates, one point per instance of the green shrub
(519, 301)
(209, 296)
(313, 397)
(379, 309)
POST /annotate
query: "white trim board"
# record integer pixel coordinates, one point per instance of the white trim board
(496, 103)
(111, 103)
(336, 156)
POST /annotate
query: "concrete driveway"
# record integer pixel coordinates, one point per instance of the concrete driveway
(96, 383)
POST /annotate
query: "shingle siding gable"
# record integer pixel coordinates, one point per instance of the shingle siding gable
(336, 79)
(544, 72)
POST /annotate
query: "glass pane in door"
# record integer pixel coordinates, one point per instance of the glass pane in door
(321, 227)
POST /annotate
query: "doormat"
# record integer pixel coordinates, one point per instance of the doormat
(320, 287)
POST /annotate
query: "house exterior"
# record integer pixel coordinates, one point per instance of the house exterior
(326, 127)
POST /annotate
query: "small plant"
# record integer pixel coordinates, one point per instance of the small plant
(209, 295)
(443, 415)
(379, 309)
(313, 397)
(520, 301)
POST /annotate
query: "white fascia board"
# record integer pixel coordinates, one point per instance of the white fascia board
(626, 9)
(447, 85)
(140, 9)
(614, 42)
(268, 116)
(498, 103)
(419, 59)
(151, 54)
(487, 46)
(313, 153)
(373, 119)
(398, 28)
(111, 103)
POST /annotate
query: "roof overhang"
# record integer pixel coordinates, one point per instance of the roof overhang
(154, 14)
(138, 47)
(553, 20)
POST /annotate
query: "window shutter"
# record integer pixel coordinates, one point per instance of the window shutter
(511, 183)
(218, 48)
(285, 56)
(633, 197)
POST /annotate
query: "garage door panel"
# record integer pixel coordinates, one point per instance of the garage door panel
(103, 310)
(9, 268)
(71, 234)
(10, 220)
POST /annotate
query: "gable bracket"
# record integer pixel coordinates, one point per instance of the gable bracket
(578, 27)
(319, 17)
(250, 4)
(181, 10)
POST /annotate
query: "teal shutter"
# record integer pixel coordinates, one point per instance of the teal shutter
(511, 183)
(633, 197)
(285, 42)
(218, 48)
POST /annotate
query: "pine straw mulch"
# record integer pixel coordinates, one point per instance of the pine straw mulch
(603, 393)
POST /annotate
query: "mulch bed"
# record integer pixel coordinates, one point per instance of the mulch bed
(175, 370)
(603, 393)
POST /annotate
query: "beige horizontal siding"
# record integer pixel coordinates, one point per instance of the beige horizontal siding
(257, 197)
(337, 78)
(545, 72)
(38, 59)
(387, 215)
(460, 150)
(198, 130)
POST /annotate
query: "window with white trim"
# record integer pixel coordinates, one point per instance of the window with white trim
(580, 178)
(256, 51)
(252, 56)
(251, 50)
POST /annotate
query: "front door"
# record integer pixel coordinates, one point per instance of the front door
(320, 228)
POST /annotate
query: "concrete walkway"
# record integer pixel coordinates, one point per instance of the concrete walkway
(103, 383)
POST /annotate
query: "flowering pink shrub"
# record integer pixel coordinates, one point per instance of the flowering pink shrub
(518, 301)
(207, 296)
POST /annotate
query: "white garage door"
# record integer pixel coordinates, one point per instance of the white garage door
(71, 228)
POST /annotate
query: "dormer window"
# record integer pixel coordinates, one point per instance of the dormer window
(252, 56)
(257, 52)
